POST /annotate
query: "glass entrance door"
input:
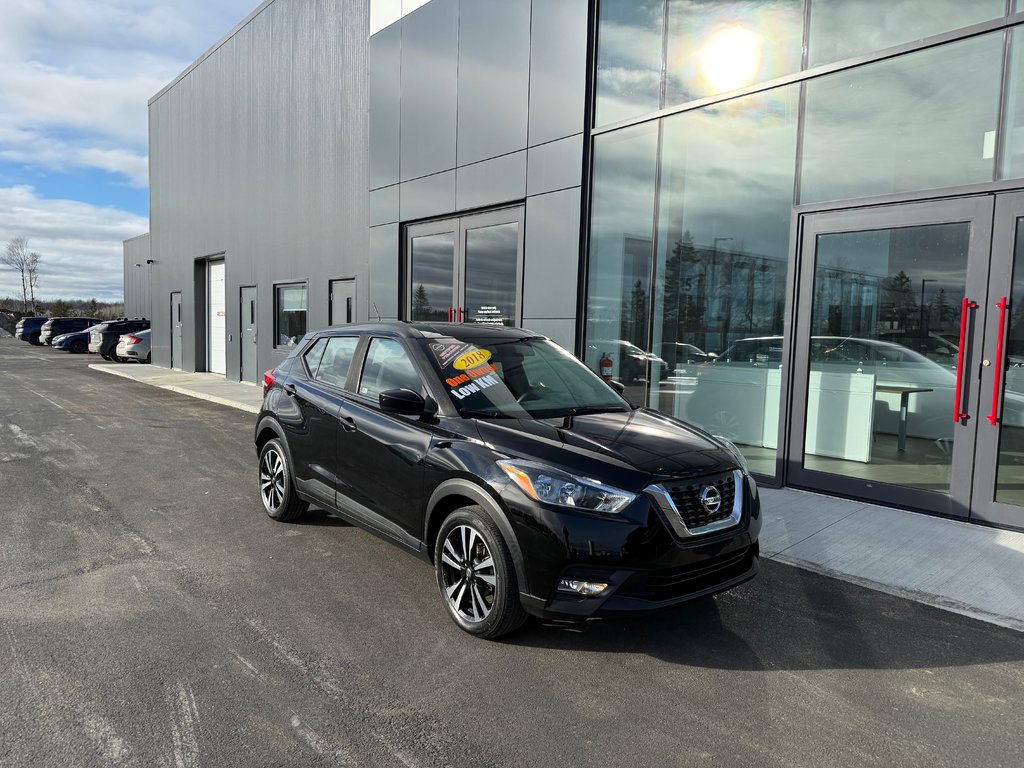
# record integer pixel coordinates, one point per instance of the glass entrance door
(886, 393)
(999, 475)
(466, 269)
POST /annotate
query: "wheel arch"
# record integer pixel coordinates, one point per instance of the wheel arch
(458, 493)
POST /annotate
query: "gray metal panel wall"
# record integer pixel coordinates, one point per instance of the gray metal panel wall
(138, 277)
(512, 75)
(259, 153)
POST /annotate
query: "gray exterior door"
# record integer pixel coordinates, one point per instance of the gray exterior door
(467, 269)
(176, 330)
(247, 336)
(343, 302)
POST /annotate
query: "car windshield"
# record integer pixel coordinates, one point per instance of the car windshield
(518, 379)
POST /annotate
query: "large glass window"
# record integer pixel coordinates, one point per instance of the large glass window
(920, 121)
(727, 175)
(629, 58)
(841, 29)
(723, 45)
(1013, 131)
(621, 252)
(290, 306)
(707, 47)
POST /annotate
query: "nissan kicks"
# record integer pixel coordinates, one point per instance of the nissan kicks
(525, 479)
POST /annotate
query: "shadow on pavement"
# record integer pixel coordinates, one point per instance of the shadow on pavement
(791, 619)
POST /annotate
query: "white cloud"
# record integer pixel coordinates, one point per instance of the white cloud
(80, 244)
(75, 77)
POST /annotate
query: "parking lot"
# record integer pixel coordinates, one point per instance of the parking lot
(152, 614)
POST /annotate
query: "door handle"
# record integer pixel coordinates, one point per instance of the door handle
(460, 314)
(289, 389)
(348, 423)
(997, 375)
(958, 414)
(450, 312)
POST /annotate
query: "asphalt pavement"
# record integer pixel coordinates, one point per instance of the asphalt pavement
(152, 615)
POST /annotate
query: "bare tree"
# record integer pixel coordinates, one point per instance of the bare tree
(33, 277)
(18, 257)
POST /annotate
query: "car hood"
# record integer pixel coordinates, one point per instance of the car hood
(642, 440)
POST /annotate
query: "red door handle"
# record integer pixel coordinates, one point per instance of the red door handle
(460, 314)
(997, 380)
(450, 313)
(958, 413)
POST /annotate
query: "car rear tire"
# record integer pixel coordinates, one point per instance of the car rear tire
(104, 355)
(78, 347)
(476, 575)
(34, 339)
(277, 491)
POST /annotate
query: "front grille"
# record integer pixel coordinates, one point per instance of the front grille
(690, 579)
(685, 495)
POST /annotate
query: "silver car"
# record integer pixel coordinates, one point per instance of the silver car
(133, 346)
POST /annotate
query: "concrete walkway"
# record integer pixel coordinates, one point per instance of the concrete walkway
(960, 567)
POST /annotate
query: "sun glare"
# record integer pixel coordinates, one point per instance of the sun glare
(731, 58)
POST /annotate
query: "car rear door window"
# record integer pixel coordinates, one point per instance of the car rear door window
(336, 360)
(314, 355)
(387, 366)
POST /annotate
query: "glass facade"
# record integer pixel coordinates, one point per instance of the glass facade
(692, 219)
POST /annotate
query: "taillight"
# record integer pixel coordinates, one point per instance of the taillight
(134, 340)
(268, 381)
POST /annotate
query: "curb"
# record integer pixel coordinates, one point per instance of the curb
(180, 390)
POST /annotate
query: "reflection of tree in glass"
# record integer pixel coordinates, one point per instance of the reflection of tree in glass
(634, 316)
(684, 294)
(421, 308)
(940, 308)
(898, 301)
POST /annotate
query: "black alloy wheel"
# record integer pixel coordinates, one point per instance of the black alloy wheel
(476, 575)
(276, 488)
(78, 347)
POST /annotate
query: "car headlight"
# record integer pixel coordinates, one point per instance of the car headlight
(730, 446)
(553, 486)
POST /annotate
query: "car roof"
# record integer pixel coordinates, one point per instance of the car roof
(431, 330)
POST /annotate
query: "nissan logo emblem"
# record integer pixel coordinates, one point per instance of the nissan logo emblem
(710, 498)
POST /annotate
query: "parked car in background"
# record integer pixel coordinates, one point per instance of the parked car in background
(76, 342)
(104, 337)
(134, 346)
(57, 326)
(527, 481)
(28, 329)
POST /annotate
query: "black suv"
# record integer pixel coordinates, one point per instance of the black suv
(528, 482)
(28, 329)
(56, 326)
(103, 338)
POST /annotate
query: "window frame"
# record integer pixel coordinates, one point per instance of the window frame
(278, 345)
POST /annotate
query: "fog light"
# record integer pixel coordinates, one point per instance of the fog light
(585, 588)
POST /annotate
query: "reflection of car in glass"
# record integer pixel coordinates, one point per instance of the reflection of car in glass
(632, 362)
(527, 481)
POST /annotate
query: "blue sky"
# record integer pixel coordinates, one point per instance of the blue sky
(75, 79)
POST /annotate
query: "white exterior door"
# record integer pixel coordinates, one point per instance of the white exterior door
(216, 346)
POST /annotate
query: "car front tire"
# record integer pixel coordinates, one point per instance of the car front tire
(476, 575)
(277, 491)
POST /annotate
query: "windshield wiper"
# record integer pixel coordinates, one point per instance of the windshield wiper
(478, 414)
(583, 410)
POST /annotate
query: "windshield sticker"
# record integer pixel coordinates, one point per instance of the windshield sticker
(446, 351)
(468, 386)
(472, 359)
(470, 375)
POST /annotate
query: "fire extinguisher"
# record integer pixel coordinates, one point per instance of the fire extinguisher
(605, 364)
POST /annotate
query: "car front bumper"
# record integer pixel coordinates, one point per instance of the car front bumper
(644, 564)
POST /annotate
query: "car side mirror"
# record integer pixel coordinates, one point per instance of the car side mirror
(402, 401)
(618, 386)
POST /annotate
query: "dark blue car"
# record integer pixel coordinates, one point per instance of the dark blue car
(72, 342)
(28, 329)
